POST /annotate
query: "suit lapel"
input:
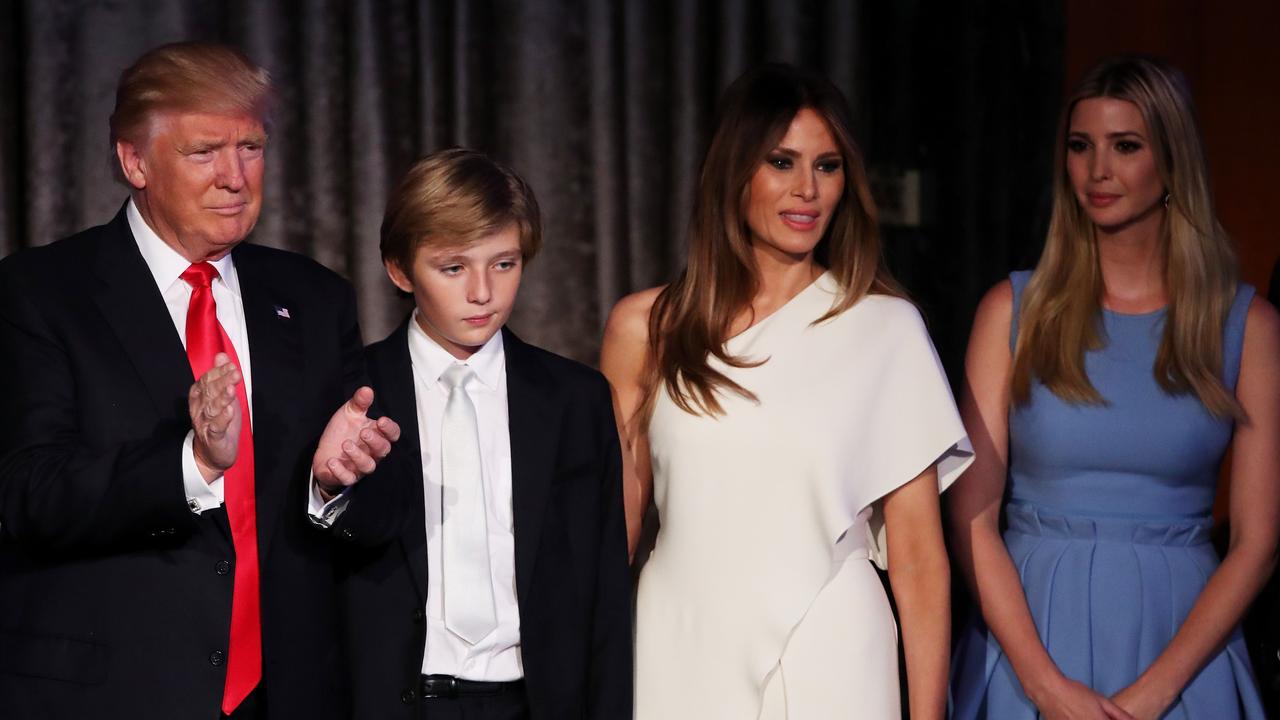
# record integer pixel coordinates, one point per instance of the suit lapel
(396, 397)
(135, 311)
(275, 358)
(532, 412)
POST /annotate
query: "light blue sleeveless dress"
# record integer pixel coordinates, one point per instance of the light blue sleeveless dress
(1108, 525)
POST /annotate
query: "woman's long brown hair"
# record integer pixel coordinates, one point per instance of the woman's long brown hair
(1060, 315)
(692, 316)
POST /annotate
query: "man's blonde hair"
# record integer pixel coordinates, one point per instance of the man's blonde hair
(188, 77)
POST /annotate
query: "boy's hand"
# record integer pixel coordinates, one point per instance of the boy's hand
(351, 445)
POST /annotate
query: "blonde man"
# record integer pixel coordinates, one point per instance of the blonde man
(165, 385)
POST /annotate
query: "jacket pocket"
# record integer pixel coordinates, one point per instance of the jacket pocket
(54, 657)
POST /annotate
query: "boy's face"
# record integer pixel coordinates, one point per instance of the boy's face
(464, 295)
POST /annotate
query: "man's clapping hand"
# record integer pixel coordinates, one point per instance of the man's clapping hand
(215, 417)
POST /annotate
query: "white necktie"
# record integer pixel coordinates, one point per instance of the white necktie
(469, 610)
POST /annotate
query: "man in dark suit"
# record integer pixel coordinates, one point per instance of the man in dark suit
(486, 559)
(155, 560)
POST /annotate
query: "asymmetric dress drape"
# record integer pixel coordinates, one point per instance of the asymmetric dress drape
(759, 599)
(1108, 525)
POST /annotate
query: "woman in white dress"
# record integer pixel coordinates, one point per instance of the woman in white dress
(783, 405)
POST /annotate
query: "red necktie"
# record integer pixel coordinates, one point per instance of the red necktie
(205, 339)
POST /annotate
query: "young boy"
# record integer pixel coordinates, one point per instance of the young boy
(485, 571)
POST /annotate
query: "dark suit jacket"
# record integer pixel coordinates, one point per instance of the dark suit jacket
(115, 599)
(572, 582)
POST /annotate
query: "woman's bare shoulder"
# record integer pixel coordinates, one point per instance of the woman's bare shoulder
(1261, 331)
(628, 322)
(992, 325)
(1263, 316)
(997, 302)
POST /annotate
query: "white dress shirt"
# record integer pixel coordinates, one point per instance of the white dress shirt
(166, 266)
(496, 657)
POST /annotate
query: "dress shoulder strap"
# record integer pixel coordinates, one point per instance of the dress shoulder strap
(1018, 279)
(1233, 335)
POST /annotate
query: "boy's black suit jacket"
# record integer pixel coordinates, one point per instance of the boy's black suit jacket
(115, 599)
(572, 582)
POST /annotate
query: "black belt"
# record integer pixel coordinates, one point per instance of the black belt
(448, 686)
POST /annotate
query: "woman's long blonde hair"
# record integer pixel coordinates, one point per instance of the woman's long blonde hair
(1060, 316)
(691, 318)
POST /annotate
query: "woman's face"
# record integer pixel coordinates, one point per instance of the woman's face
(794, 192)
(1111, 163)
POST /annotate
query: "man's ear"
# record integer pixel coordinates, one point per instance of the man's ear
(398, 278)
(132, 165)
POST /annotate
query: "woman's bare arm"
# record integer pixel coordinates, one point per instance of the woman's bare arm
(974, 508)
(1255, 526)
(921, 579)
(624, 359)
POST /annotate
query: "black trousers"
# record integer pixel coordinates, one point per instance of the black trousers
(502, 706)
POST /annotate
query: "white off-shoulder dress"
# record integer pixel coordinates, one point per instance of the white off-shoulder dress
(759, 600)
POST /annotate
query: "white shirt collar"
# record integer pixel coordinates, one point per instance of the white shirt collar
(431, 360)
(165, 263)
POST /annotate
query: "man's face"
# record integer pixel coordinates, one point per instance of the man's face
(464, 295)
(198, 180)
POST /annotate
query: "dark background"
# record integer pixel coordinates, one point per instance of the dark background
(605, 108)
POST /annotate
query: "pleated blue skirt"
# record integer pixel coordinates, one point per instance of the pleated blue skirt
(1107, 596)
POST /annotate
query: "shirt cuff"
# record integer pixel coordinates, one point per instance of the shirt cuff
(322, 513)
(201, 495)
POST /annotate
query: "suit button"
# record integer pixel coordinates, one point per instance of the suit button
(222, 568)
(347, 534)
(217, 658)
(408, 696)
(419, 615)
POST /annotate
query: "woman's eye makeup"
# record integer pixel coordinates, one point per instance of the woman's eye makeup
(1124, 146)
(786, 162)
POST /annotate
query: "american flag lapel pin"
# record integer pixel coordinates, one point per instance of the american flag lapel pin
(282, 312)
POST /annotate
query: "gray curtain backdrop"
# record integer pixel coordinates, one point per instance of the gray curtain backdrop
(605, 107)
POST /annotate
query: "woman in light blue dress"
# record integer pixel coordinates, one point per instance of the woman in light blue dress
(1103, 391)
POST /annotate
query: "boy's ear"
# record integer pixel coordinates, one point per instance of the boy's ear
(398, 278)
